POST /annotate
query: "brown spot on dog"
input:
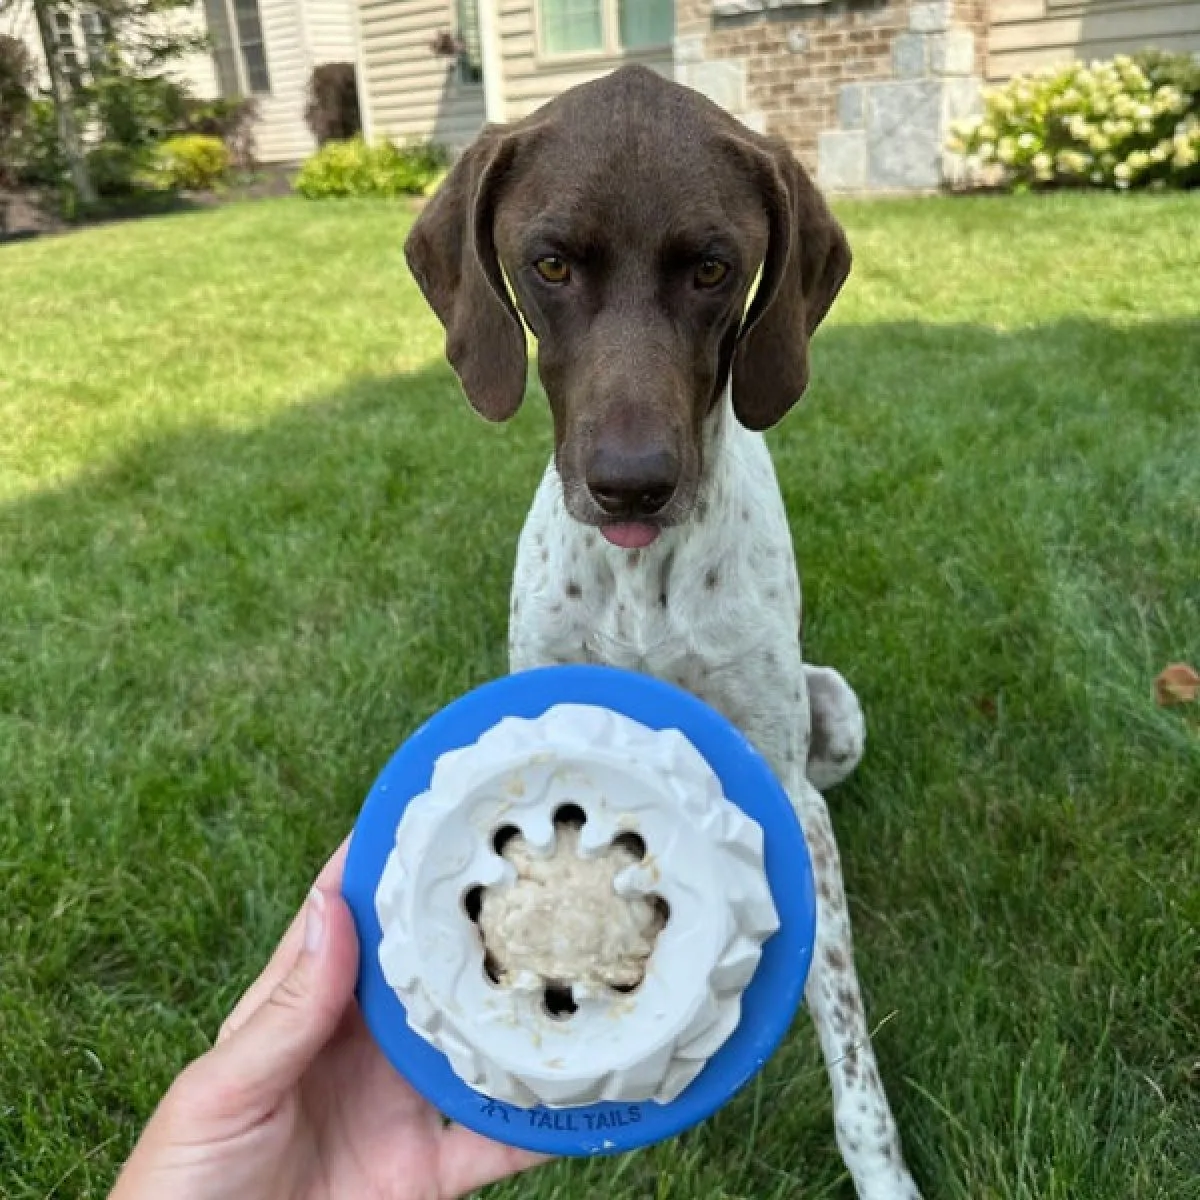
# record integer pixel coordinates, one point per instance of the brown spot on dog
(662, 599)
(634, 557)
(574, 590)
(711, 578)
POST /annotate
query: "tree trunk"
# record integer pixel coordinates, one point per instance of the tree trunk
(68, 130)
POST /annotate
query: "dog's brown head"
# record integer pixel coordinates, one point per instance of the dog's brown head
(631, 217)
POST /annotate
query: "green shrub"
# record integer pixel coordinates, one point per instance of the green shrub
(192, 162)
(114, 169)
(136, 112)
(38, 156)
(353, 168)
(231, 120)
(1126, 123)
(16, 85)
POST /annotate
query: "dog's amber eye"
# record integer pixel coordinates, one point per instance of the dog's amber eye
(552, 269)
(710, 272)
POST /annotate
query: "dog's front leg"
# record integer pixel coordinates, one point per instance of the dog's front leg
(866, 1130)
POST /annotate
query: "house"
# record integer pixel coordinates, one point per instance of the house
(260, 48)
(863, 90)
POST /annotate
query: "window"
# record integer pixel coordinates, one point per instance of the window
(646, 23)
(68, 51)
(241, 60)
(97, 40)
(470, 57)
(589, 26)
(224, 55)
(250, 41)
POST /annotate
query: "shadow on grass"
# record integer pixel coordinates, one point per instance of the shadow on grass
(214, 642)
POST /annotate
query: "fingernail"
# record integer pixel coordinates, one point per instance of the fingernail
(314, 924)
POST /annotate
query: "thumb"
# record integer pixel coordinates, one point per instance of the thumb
(253, 1068)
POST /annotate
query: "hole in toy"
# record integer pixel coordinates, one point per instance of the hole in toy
(559, 1001)
(570, 814)
(503, 836)
(473, 903)
(632, 843)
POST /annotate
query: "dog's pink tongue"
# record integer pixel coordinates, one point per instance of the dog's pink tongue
(631, 536)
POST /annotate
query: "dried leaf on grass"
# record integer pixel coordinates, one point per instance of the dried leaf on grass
(1177, 684)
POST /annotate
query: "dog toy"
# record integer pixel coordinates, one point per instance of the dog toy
(585, 910)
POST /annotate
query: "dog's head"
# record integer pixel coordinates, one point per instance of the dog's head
(653, 245)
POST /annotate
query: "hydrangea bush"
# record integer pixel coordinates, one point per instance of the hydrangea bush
(1129, 122)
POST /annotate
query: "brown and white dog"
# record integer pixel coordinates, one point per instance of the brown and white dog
(672, 266)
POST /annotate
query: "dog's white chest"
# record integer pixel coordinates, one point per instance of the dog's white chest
(711, 606)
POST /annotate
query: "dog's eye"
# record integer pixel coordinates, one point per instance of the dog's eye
(710, 272)
(552, 269)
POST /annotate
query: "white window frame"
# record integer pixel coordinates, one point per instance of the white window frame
(239, 59)
(610, 26)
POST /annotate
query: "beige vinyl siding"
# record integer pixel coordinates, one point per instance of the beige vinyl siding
(330, 25)
(530, 80)
(281, 135)
(195, 71)
(1027, 34)
(410, 92)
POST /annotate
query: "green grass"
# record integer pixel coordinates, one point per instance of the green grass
(250, 535)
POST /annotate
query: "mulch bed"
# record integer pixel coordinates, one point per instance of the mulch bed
(25, 213)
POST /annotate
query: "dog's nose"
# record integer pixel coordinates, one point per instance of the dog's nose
(632, 485)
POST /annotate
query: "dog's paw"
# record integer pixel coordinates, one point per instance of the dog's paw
(839, 730)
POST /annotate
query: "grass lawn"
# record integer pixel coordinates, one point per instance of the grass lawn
(250, 535)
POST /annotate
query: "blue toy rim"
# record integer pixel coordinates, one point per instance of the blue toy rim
(769, 1002)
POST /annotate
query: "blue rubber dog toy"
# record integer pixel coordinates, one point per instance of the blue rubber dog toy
(585, 910)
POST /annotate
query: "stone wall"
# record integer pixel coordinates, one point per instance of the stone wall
(862, 90)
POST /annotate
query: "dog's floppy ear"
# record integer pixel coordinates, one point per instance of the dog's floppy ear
(807, 261)
(452, 255)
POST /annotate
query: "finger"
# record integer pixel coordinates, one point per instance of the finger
(329, 880)
(468, 1160)
(256, 1065)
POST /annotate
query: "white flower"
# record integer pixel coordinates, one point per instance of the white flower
(1121, 173)
(1006, 150)
(1138, 161)
(1027, 141)
(1170, 99)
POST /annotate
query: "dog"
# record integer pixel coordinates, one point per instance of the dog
(672, 266)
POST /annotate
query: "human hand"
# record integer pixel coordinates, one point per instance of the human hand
(296, 1101)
